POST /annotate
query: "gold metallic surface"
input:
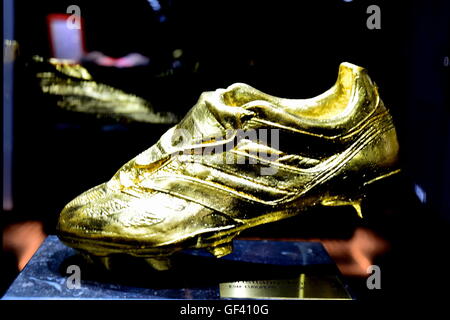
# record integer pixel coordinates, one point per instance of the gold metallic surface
(77, 91)
(204, 181)
(306, 286)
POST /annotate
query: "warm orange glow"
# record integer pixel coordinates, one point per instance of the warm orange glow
(355, 255)
(23, 239)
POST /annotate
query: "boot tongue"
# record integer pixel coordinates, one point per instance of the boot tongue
(209, 122)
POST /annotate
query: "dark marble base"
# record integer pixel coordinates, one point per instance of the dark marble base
(256, 269)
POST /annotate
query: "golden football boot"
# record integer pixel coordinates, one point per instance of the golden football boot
(75, 90)
(240, 158)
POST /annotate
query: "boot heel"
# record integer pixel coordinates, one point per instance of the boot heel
(357, 202)
(337, 202)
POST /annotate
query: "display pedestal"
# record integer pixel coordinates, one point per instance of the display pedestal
(256, 269)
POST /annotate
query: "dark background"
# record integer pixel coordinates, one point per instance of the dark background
(285, 48)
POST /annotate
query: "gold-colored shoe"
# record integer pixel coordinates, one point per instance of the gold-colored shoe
(240, 158)
(75, 90)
